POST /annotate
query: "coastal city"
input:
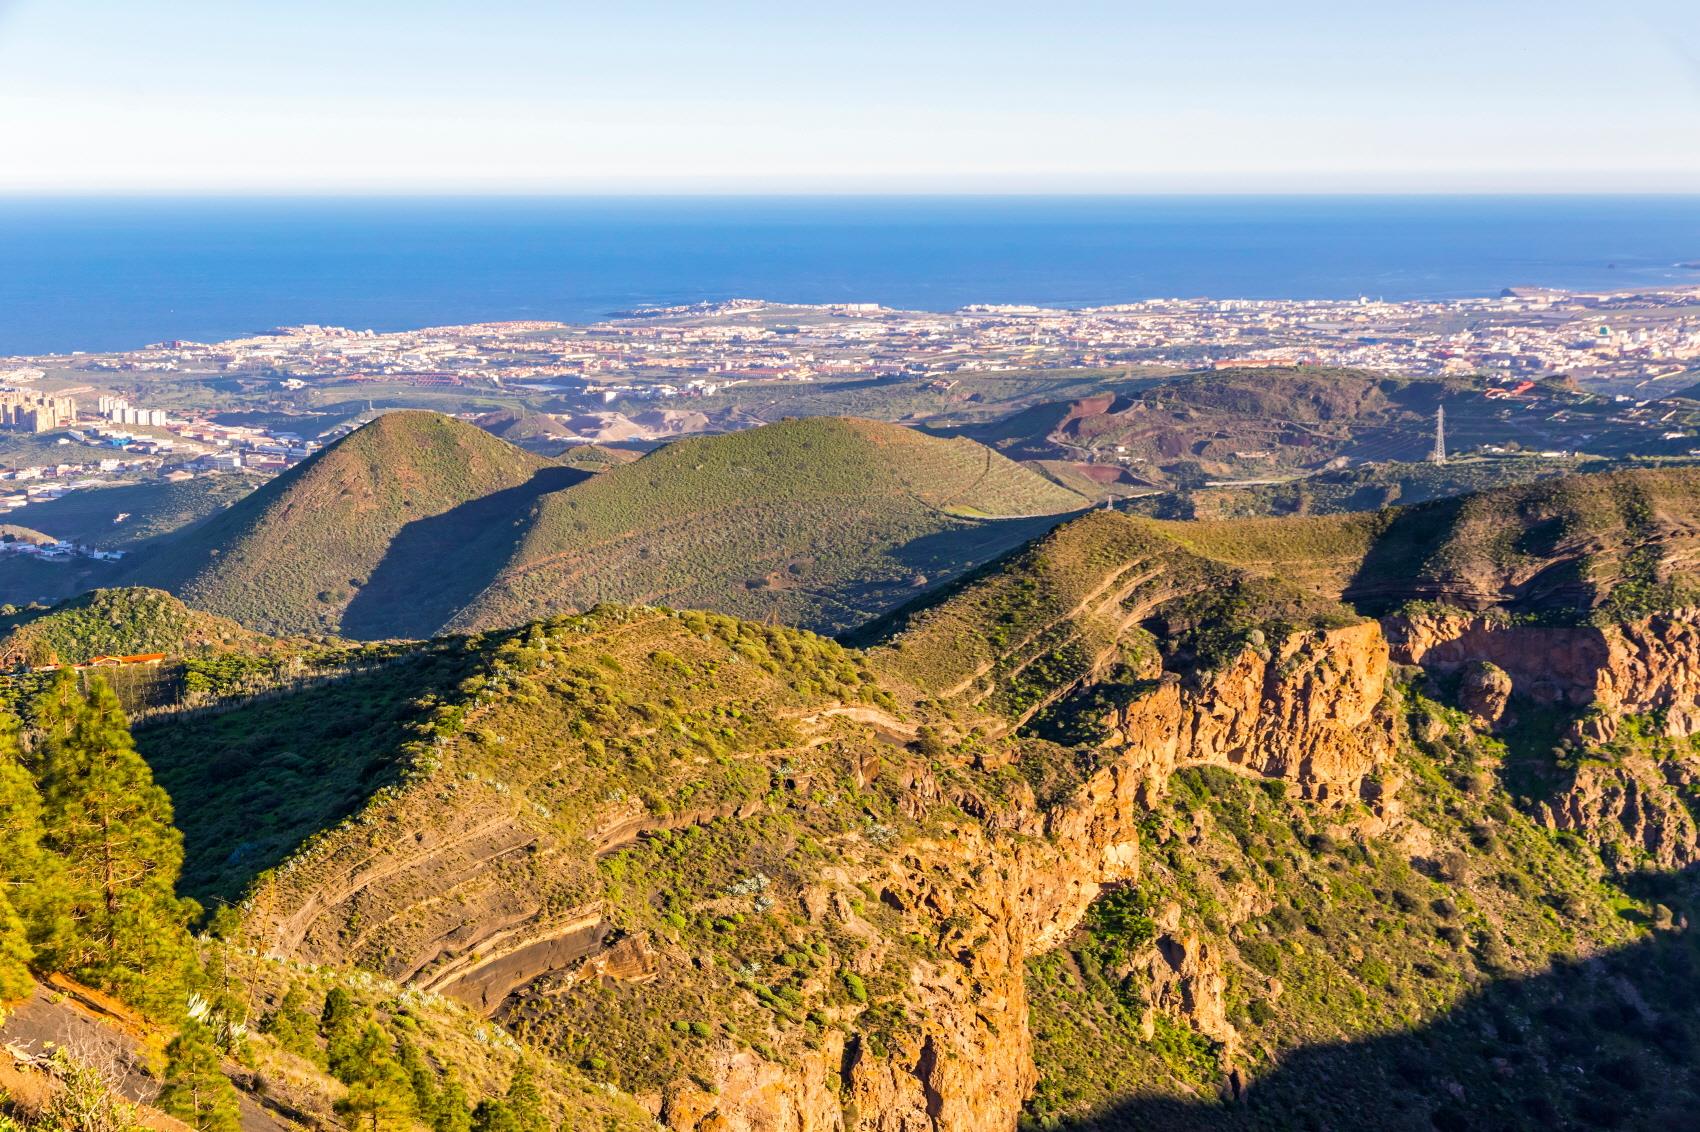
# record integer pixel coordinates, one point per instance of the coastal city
(118, 417)
(117, 443)
(1608, 340)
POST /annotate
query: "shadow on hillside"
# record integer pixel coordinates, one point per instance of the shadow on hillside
(1613, 1042)
(435, 565)
(949, 565)
(251, 782)
(944, 554)
(1389, 573)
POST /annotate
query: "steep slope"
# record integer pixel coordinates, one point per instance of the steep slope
(294, 555)
(820, 522)
(721, 865)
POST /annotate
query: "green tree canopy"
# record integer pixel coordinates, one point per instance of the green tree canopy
(380, 1096)
(23, 865)
(110, 827)
(293, 1026)
(493, 1115)
(196, 1090)
(454, 1111)
(15, 954)
(525, 1101)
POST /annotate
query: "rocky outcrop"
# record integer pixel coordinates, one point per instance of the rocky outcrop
(460, 884)
(1633, 807)
(1186, 977)
(1309, 711)
(1485, 695)
(1651, 664)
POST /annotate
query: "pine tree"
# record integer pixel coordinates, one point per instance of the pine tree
(337, 1013)
(380, 1097)
(110, 826)
(15, 955)
(53, 713)
(379, 1105)
(526, 1102)
(196, 1090)
(22, 866)
(493, 1115)
(352, 1046)
(293, 1027)
(423, 1079)
(454, 1113)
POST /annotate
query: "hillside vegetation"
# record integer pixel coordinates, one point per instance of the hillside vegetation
(1134, 824)
(418, 522)
(1618, 542)
(688, 854)
(819, 522)
(293, 556)
(119, 622)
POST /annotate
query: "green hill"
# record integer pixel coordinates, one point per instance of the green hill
(296, 555)
(1107, 587)
(118, 622)
(595, 457)
(821, 522)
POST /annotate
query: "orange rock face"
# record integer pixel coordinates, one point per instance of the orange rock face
(1310, 712)
(1647, 665)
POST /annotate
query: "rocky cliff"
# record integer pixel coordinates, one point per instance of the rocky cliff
(1624, 699)
(502, 871)
(1312, 712)
(1639, 666)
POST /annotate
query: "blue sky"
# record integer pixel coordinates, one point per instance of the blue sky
(638, 95)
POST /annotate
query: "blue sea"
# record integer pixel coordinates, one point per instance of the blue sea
(104, 274)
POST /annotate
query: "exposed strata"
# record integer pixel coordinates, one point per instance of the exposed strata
(1646, 665)
(446, 886)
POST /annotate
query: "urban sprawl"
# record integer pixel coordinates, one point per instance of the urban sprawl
(1632, 345)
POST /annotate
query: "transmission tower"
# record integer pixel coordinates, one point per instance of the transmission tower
(1438, 456)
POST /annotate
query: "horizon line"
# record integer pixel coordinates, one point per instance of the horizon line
(351, 192)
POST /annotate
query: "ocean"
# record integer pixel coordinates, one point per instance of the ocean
(109, 274)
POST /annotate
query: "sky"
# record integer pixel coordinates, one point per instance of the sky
(527, 96)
